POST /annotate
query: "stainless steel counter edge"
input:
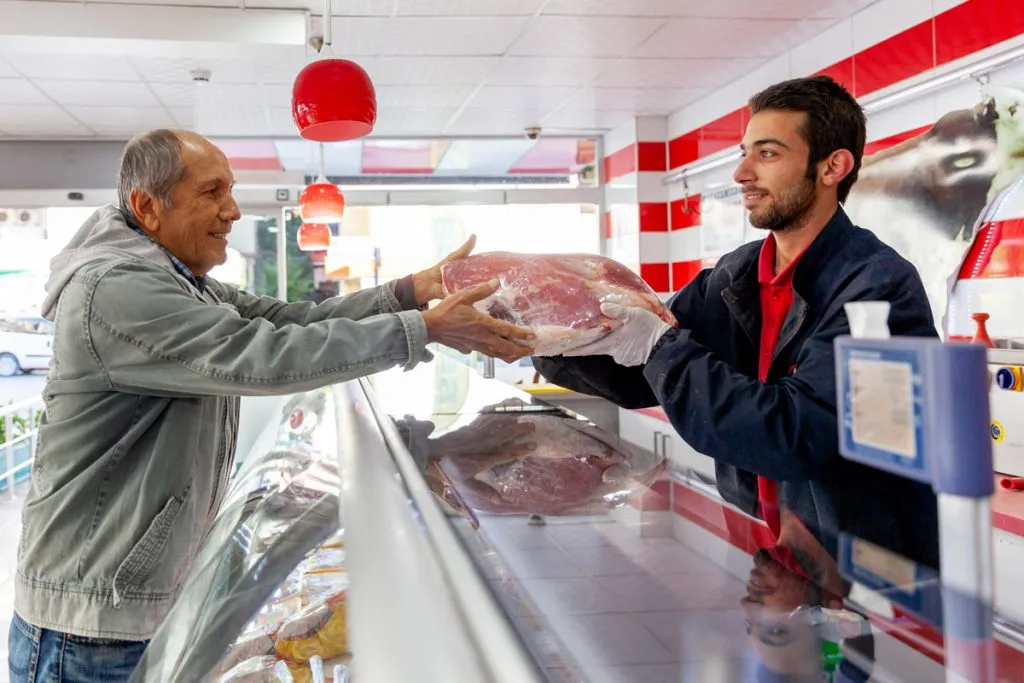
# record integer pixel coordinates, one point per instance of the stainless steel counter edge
(419, 609)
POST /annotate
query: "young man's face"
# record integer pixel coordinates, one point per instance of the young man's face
(777, 188)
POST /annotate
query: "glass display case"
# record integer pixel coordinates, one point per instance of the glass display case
(472, 533)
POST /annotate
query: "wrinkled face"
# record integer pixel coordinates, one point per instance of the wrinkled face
(778, 188)
(195, 227)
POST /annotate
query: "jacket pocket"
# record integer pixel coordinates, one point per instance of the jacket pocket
(136, 568)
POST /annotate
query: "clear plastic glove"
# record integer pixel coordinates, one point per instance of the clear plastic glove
(633, 339)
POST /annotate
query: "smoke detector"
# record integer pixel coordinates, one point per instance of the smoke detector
(201, 75)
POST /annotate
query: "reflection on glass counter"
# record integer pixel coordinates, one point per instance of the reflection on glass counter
(269, 587)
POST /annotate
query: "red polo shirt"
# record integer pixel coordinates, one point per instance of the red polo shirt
(776, 300)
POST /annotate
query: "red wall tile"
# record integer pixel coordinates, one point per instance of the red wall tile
(607, 220)
(684, 149)
(684, 272)
(653, 217)
(895, 59)
(975, 25)
(652, 156)
(685, 213)
(841, 72)
(722, 133)
(655, 275)
(620, 163)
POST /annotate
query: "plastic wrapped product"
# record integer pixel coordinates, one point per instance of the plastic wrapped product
(257, 643)
(559, 296)
(255, 670)
(317, 630)
(541, 464)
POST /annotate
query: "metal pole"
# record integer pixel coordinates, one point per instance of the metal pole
(282, 256)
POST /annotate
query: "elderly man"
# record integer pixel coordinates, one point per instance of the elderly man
(150, 356)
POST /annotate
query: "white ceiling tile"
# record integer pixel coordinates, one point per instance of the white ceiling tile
(480, 121)
(170, 70)
(184, 117)
(537, 100)
(839, 9)
(211, 94)
(426, 35)
(428, 70)
(21, 91)
(28, 119)
(187, 3)
(777, 9)
(693, 38)
(584, 36)
(548, 71)
(281, 121)
(641, 100)
(675, 73)
(397, 121)
(567, 120)
(8, 71)
(450, 8)
(422, 96)
(231, 120)
(92, 92)
(73, 67)
(141, 118)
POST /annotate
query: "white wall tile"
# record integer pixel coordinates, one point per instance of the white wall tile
(652, 128)
(832, 45)
(649, 188)
(685, 245)
(620, 137)
(885, 19)
(654, 247)
(914, 114)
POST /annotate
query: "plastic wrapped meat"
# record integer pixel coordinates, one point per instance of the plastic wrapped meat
(559, 296)
(542, 464)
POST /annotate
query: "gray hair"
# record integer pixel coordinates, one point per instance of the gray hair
(152, 163)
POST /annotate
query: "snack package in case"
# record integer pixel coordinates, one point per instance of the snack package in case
(324, 560)
(254, 670)
(257, 643)
(317, 630)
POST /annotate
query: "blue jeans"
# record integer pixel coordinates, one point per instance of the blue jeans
(38, 655)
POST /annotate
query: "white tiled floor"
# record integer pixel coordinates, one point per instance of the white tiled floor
(617, 606)
(10, 532)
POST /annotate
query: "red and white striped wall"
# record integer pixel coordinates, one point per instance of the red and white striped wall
(888, 46)
(636, 201)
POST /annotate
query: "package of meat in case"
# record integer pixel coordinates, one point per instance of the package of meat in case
(558, 296)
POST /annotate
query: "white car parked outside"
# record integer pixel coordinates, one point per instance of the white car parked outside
(26, 344)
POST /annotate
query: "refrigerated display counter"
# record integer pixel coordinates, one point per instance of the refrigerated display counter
(475, 533)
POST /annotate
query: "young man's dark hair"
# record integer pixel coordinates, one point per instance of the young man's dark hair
(834, 120)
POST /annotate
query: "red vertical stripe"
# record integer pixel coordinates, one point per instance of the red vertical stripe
(684, 272)
(655, 275)
(685, 212)
(975, 25)
(620, 163)
(653, 217)
(652, 156)
(607, 225)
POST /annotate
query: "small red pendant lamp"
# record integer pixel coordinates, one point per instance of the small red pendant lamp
(315, 237)
(321, 201)
(333, 100)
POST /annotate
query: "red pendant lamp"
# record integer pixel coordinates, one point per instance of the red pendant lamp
(314, 237)
(333, 100)
(317, 258)
(321, 202)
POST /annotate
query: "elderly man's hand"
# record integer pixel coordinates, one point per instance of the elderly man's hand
(456, 323)
(427, 285)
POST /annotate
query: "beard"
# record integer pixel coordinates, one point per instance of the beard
(789, 211)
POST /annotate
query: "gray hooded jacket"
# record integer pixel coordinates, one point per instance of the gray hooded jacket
(138, 439)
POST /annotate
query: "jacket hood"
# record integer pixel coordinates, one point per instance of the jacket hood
(104, 236)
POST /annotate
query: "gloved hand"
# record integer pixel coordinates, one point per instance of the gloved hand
(630, 344)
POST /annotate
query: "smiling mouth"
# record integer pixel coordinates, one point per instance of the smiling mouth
(219, 236)
(754, 196)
